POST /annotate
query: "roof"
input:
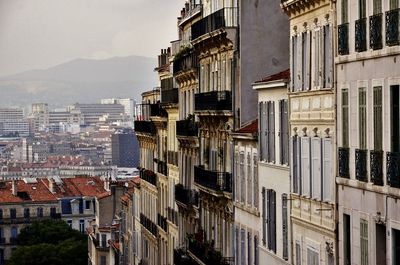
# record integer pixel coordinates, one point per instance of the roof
(26, 192)
(252, 127)
(284, 75)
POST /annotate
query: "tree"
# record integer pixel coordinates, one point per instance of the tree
(50, 242)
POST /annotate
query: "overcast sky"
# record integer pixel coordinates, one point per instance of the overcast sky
(36, 34)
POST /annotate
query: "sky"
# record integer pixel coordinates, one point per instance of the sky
(37, 34)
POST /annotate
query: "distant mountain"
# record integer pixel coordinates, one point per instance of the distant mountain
(80, 80)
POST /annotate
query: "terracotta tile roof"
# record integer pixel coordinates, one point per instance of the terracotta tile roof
(78, 187)
(278, 76)
(250, 128)
(26, 192)
(103, 195)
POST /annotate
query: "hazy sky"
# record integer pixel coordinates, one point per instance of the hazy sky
(37, 34)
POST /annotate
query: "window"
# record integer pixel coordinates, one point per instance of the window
(298, 253)
(284, 132)
(396, 246)
(26, 213)
(103, 260)
(316, 167)
(362, 118)
(362, 8)
(364, 241)
(285, 237)
(378, 118)
(377, 7)
(306, 41)
(255, 182)
(295, 162)
(267, 131)
(346, 239)
(293, 54)
(103, 240)
(305, 165)
(380, 231)
(328, 64)
(264, 216)
(14, 232)
(271, 221)
(249, 180)
(345, 16)
(327, 170)
(87, 205)
(53, 212)
(242, 247)
(345, 118)
(249, 251)
(255, 250)
(312, 257)
(82, 226)
(242, 179)
(39, 212)
(395, 119)
(13, 213)
(1, 213)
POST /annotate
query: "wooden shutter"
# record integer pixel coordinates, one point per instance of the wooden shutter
(364, 241)
(327, 170)
(299, 63)
(271, 141)
(269, 236)
(264, 123)
(293, 65)
(293, 164)
(280, 131)
(328, 63)
(242, 179)
(285, 133)
(285, 237)
(268, 132)
(249, 180)
(237, 245)
(237, 173)
(273, 220)
(316, 47)
(255, 182)
(307, 76)
(305, 165)
(316, 167)
(378, 125)
(260, 129)
(264, 217)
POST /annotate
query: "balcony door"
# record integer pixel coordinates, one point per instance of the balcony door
(394, 119)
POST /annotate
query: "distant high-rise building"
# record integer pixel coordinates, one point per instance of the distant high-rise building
(12, 121)
(125, 148)
(40, 115)
(93, 113)
(128, 103)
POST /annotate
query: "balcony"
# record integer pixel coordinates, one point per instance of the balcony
(194, 10)
(149, 225)
(156, 110)
(225, 17)
(185, 196)
(145, 127)
(169, 96)
(172, 158)
(213, 101)
(376, 165)
(205, 252)
(392, 27)
(185, 60)
(148, 176)
(361, 35)
(162, 222)
(361, 165)
(162, 167)
(187, 128)
(172, 215)
(393, 169)
(343, 39)
(217, 181)
(375, 31)
(13, 241)
(344, 159)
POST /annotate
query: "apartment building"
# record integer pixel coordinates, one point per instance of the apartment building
(40, 116)
(368, 81)
(95, 113)
(312, 131)
(12, 121)
(273, 168)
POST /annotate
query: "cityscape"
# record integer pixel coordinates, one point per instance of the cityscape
(265, 132)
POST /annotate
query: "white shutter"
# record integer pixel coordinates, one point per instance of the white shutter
(299, 63)
(327, 178)
(316, 45)
(305, 165)
(328, 56)
(292, 62)
(316, 167)
(308, 61)
(264, 131)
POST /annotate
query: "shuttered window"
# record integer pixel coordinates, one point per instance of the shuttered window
(293, 66)
(377, 7)
(306, 56)
(295, 162)
(242, 179)
(316, 167)
(285, 237)
(263, 130)
(271, 131)
(299, 78)
(305, 165)
(237, 245)
(328, 63)
(264, 217)
(327, 169)
(237, 179)
(249, 250)
(242, 247)
(284, 132)
(312, 257)
(345, 11)
(298, 253)
(256, 258)
(364, 241)
(249, 180)
(362, 118)
(345, 118)
(316, 46)
(255, 177)
(378, 118)
(271, 219)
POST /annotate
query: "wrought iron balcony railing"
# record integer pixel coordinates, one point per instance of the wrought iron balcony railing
(162, 222)
(206, 252)
(217, 181)
(393, 169)
(149, 225)
(225, 17)
(344, 160)
(185, 62)
(361, 35)
(185, 196)
(148, 176)
(187, 128)
(376, 165)
(343, 39)
(213, 101)
(392, 27)
(172, 158)
(375, 31)
(145, 127)
(156, 110)
(361, 165)
(169, 96)
(172, 215)
(162, 167)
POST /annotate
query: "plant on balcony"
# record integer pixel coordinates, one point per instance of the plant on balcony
(182, 52)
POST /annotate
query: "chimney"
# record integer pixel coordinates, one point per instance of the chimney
(107, 183)
(52, 185)
(14, 189)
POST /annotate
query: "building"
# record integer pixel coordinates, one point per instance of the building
(273, 168)
(367, 94)
(12, 121)
(94, 113)
(246, 199)
(312, 131)
(124, 148)
(40, 116)
(128, 103)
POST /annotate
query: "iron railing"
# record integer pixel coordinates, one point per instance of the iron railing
(156, 110)
(217, 181)
(172, 215)
(186, 62)
(185, 196)
(206, 252)
(393, 169)
(392, 27)
(149, 225)
(376, 165)
(361, 35)
(169, 96)
(145, 127)
(172, 158)
(361, 164)
(213, 101)
(375, 31)
(187, 128)
(148, 176)
(162, 167)
(190, 13)
(343, 39)
(162, 222)
(344, 161)
(225, 17)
